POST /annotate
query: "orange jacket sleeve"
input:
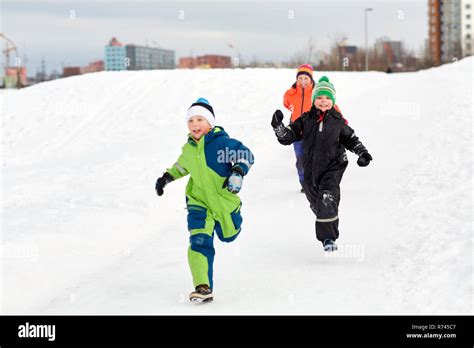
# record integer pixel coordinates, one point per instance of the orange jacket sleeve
(286, 99)
(339, 111)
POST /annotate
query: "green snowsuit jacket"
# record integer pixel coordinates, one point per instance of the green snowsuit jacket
(211, 207)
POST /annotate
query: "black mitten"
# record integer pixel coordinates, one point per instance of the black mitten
(364, 159)
(164, 180)
(277, 119)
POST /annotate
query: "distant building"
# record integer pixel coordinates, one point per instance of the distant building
(467, 28)
(450, 29)
(149, 58)
(434, 31)
(71, 71)
(133, 57)
(95, 66)
(187, 63)
(348, 57)
(207, 61)
(214, 61)
(115, 56)
(11, 77)
(390, 51)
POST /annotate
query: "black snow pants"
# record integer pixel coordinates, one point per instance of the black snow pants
(324, 202)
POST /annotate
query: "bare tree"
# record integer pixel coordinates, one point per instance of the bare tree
(304, 55)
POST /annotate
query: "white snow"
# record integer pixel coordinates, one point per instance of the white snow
(84, 232)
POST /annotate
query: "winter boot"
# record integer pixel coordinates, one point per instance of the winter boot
(329, 245)
(202, 294)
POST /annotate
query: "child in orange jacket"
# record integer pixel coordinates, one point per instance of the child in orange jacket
(298, 100)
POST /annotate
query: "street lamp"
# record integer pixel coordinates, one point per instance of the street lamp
(238, 55)
(366, 43)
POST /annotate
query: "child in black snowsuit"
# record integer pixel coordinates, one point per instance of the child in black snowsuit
(325, 136)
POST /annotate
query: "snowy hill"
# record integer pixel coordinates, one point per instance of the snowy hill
(84, 232)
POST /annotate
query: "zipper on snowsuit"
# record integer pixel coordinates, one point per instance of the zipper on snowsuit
(322, 121)
(319, 139)
(302, 102)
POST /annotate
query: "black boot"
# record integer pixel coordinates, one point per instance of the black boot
(329, 245)
(203, 293)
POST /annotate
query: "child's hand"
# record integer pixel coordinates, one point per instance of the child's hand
(291, 108)
(277, 118)
(233, 183)
(364, 159)
(162, 182)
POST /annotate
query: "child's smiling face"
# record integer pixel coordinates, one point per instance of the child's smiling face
(323, 103)
(198, 126)
(304, 81)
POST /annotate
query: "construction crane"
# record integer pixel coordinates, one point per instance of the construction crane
(10, 47)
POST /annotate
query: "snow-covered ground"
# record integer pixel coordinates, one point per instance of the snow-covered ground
(84, 232)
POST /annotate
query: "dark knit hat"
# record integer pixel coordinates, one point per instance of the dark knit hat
(202, 108)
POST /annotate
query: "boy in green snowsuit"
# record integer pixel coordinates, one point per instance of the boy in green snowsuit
(217, 165)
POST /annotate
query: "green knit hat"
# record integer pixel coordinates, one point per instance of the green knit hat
(324, 87)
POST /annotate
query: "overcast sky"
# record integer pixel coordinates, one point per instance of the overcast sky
(75, 32)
